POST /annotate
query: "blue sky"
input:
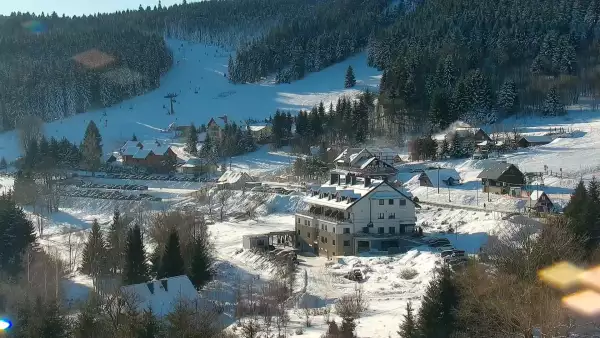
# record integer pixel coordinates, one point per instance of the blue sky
(76, 7)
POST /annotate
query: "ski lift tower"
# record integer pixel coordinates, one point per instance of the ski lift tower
(171, 97)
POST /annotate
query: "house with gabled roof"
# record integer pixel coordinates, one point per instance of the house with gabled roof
(362, 162)
(540, 202)
(502, 178)
(443, 177)
(215, 126)
(152, 155)
(350, 214)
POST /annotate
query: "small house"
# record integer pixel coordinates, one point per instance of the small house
(530, 141)
(214, 127)
(443, 177)
(501, 178)
(540, 202)
(235, 180)
(109, 159)
(260, 132)
(195, 165)
(162, 296)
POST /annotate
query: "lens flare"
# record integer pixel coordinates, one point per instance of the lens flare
(5, 324)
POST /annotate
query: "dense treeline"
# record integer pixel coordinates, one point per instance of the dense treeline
(483, 60)
(42, 78)
(346, 124)
(311, 41)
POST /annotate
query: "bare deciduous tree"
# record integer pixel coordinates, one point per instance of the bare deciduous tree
(223, 197)
(353, 305)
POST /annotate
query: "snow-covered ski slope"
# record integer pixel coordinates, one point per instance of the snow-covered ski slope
(201, 68)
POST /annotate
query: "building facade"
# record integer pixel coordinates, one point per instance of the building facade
(350, 214)
(502, 178)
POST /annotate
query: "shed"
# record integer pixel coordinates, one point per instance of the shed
(447, 177)
(528, 141)
(233, 180)
(251, 242)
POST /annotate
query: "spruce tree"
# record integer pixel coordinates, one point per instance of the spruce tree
(200, 269)
(437, 315)
(93, 261)
(508, 98)
(134, 138)
(408, 328)
(17, 233)
(552, 105)
(350, 80)
(191, 144)
(171, 264)
(444, 149)
(150, 326)
(136, 268)
(91, 147)
(3, 164)
(116, 243)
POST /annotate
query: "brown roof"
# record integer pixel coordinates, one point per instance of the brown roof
(93, 59)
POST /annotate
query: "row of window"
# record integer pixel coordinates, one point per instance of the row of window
(391, 215)
(391, 202)
(381, 230)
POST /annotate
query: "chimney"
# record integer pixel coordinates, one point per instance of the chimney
(334, 178)
(367, 181)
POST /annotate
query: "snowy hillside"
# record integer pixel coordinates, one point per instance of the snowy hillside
(204, 92)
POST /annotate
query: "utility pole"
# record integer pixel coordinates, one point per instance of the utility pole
(438, 180)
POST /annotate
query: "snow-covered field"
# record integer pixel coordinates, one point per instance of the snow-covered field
(200, 68)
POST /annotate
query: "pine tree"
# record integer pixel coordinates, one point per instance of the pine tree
(408, 328)
(191, 145)
(440, 110)
(444, 149)
(150, 326)
(136, 268)
(3, 164)
(457, 149)
(91, 322)
(552, 105)
(350, 79)
(508, 98)
(93, 261)
(437, 315)
(116, 243)
(171, 264)
(200, 269)
(91, 147)
(134, 138)
(17, 233)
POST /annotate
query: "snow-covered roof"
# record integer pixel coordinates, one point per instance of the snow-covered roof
(537, 139)
(161, 295)
(257, 128)
(130, 151)
(536, 194)
(232, 177)
(130, 144)
(142, 153)
(193, 161)
(158, 149)
(218, 121)
(494, 170)
(444, 175)
(366, 162)
(351, 191)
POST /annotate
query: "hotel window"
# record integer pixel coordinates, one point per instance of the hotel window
(298, 219)
(346, 230)
(381, 202)
(333, 242)
(402, 202)
(392, 215)
(381, 215)
(380, 230)
(346, 243)
(308, 234)
(392, 230)
(391, 201)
